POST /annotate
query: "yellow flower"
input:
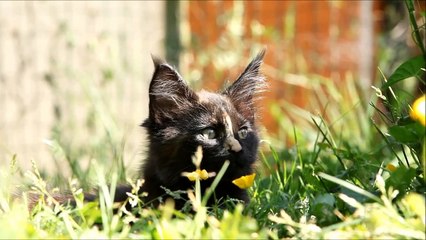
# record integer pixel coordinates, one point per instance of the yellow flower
(203, 174)
(391, 167)
(418, 110)
(197, 174)
(245, 181)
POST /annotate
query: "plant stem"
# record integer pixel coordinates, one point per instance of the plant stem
(417, 37)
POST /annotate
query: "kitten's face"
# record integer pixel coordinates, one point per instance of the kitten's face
(180, 120)
(224, 133)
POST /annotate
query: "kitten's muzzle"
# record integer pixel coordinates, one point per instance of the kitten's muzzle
(232, 144)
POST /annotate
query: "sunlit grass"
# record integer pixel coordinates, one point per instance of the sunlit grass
(333, 186)
(346, 176)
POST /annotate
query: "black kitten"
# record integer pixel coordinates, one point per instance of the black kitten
(180, 120)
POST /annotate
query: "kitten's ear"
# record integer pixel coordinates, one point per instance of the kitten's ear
(244, 90)
(168, 93)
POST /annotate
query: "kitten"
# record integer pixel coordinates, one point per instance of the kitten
(180, 120)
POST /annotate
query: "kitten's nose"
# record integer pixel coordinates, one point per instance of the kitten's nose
(232, 144)
(230, 141)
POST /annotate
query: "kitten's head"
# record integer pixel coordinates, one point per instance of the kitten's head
(224, 124)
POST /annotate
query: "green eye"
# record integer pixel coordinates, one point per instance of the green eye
(242, 133)
(209, 133)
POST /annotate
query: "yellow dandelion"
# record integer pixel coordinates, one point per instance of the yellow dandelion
(418, 110)
(203, 174)
(245, 181)
(198, 174)
(192, 176)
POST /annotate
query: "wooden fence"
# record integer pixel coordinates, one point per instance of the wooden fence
(61, 62)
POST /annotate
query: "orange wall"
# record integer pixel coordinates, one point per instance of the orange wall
(325, 37)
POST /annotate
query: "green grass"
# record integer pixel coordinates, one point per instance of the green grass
(340, 185)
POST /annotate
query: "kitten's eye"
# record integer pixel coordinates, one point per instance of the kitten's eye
(209, 133)
(242, 133)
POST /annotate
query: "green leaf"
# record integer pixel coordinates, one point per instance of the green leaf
(410, 133)
(324, 213)
(326, 198)
(410, 68)
(401, 178)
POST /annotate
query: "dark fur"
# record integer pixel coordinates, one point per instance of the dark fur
(177, 118)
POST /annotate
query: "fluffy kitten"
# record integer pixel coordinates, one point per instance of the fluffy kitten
(180, 120)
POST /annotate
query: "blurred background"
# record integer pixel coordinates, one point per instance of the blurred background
(74, 74)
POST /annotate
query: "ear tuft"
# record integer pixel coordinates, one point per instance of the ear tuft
(168, 93)
(157, 61)
(247, 86)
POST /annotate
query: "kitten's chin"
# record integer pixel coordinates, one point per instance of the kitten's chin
(234, 158)
(225, 154)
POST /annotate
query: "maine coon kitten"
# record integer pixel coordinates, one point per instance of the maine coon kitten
(180, 120)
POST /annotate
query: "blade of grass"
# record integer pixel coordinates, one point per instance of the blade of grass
(330, 142)
(388, 143)
(382, 115)
(349, 186)
(216, 180)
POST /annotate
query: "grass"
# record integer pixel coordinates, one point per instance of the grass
(341, 185)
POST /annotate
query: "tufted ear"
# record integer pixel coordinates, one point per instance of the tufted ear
(244, 90)
(168, 93)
